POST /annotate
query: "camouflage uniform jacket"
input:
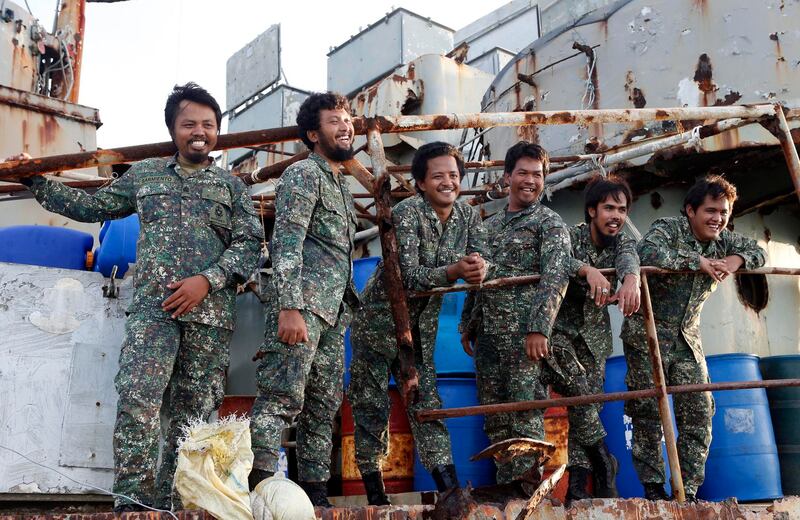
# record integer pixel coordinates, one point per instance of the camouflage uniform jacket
(678, 299)
(426, 246)
(191, 223)
(534, 240)
(579, 316)
(312, 244)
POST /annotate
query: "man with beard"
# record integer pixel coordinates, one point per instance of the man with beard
(696, 241)
(581, 340)
(508, 330)
(199, 237)
(309, 301)
(439, 240)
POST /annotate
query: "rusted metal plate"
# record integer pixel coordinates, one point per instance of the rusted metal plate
(542, 491)
(505, 451)
(399, 463)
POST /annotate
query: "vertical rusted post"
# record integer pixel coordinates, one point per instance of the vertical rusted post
(789, 150)
(663, 401)
(392, 278)
(71, 23)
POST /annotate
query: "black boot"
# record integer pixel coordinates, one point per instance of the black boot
(376, 493)
(445, 477)
(604, 467)
(256, 476)
(129, 508)
(655, 491)
(578, 477)
(691, 498)
(317, 492)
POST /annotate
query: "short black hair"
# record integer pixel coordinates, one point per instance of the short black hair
(526, 149)
(189, 92)
(599, 188)
(426, 152)
(714, 186)
(308, 115)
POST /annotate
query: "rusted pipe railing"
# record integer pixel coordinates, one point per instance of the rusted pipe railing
(789, 149)
(661, 397)
(397, 124)
(580, 400)
(511, 281)
(392, 277)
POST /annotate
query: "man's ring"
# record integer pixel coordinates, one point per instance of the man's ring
(604, 291)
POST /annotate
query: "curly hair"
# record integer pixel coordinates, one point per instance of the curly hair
(714, 186)
(426, 152)
(189, 92)
(308, 115)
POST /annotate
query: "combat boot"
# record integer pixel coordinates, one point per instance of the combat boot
(691, 498)
(604, 467)
(317, 492)
(129, 508)
(445, 477)
(256, 476)
(655, 491)
(577, 484)
(376, 492)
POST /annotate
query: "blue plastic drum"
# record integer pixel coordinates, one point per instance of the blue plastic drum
(362, 270)
(47, 246)
(118, 240)
(466, 436)
(743, 461)
(448, 355)
(620, 431)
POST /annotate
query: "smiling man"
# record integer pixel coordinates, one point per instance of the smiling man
(508, 330)
(698, 240)
(199, 237)
(310, 300)
(582, 340)
(440, 240)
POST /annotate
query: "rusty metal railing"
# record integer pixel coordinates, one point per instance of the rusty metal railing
(377, 183)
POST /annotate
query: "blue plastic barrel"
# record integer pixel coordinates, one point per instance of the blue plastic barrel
(47, 246)
(466, 435)
(784, 407)
(117, 245)
(362, 270)
(448, 355)
(743, 461)
(620, 431)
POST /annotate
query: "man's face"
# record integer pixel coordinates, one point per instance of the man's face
(195, 131)
(525, 183)
(334, 139)
(608, 217)
(442, 182)
(710, 218)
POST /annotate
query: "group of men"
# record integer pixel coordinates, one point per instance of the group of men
(200, 237)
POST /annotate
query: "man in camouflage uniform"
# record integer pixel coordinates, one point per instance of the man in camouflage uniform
(310, 300)
(199, 237)
(697, 240)
(440, 240)
(513, 325)
(581, 340)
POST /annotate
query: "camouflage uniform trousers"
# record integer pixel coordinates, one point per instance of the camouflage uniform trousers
(573, 370)
(693, 411)
(187, 360)
(505, 374)
(303, 381)
(368, 394)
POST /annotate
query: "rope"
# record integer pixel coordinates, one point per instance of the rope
(695, 140)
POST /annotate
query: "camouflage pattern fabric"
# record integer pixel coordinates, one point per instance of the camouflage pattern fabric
(311, 247)
(199, 222)
(191, 223)
(311, 257)
(582, 341)
(426, 248)
(303, 381)
(531, 241)
(677, 302)
(506, 374)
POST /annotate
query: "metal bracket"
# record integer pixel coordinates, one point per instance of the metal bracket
(111, 290)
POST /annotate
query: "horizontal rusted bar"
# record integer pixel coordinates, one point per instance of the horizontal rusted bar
(512, 281)
(449, 413)
(396, 124)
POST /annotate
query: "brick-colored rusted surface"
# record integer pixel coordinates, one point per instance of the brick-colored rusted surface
(182, 515)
